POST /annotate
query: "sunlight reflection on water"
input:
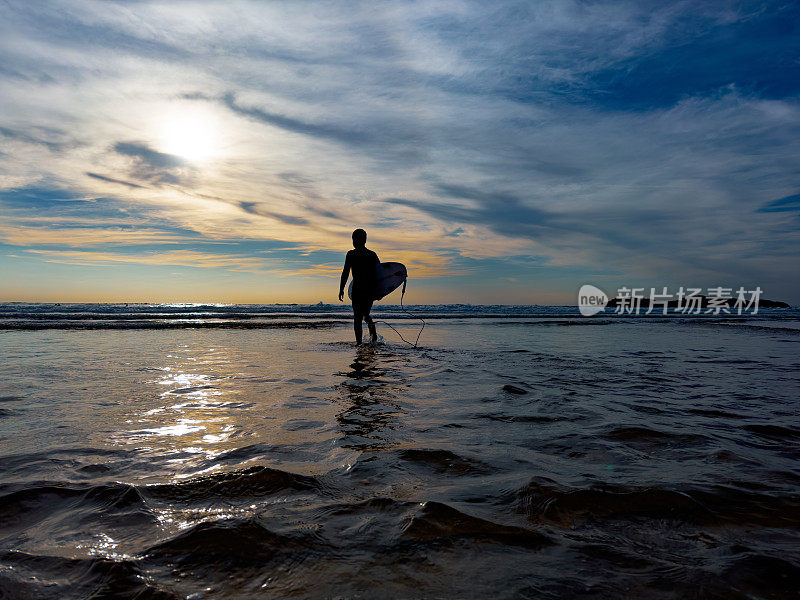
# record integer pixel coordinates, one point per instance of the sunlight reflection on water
(205, 400)
(201, 417)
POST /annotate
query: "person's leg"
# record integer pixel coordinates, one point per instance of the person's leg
(357, 316)
(370, 323)
(357, 327)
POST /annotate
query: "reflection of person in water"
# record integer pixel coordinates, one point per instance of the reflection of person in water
(363, 263)
(369, 413)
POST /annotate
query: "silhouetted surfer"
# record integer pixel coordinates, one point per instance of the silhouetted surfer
(364, 264)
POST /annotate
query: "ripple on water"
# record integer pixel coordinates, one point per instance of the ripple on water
(647, 460)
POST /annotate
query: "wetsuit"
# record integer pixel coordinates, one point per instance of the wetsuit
(363, 263)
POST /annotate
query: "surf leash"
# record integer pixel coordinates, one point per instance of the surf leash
(409, 313)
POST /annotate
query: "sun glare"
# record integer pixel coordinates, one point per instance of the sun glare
(192, 134)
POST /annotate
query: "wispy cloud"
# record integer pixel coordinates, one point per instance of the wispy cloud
(37, 136)
(254, 208)
(80, 237)
(332, 132)
(787, 204)
(112, 180)
(540, 141)
(184, 258)
(153, 166)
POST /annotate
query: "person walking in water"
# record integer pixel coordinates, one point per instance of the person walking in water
(364, 264)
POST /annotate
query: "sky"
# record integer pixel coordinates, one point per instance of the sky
(507, 153)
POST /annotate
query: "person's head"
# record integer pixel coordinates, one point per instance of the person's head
(359, 238)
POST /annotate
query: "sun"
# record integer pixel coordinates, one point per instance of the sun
(192, 134)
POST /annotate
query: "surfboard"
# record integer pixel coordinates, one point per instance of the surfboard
(391, 276)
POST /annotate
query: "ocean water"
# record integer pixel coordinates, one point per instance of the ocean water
(205, 451)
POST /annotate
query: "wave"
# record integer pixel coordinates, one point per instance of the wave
(56, 462)
(544, 500)
(36, 326)
(444, 461)
(774, 432)
(34, 577)
(442, 524)
(237, 541)
(714, 413)
(110, 495)
(504, 418)
(430, 524)
(246, 483)
(120, 504)
(23, 505)
(650, 436)
(25, 316)
(304, 541)
(760, 576)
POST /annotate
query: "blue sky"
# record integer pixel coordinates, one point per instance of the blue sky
(506, 152)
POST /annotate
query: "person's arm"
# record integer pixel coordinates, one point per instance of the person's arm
(345, 275)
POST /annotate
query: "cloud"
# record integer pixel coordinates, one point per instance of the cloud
(183, 258)
(153, 166)
(52, 139)
(253, 208)
(295, 125)
(48, 234)
(112, 180)
(553, 139)
(787, 204)
(148, 156)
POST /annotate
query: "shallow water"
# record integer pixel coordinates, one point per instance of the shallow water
(625, 458)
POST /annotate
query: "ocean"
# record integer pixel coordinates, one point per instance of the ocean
(160, 451)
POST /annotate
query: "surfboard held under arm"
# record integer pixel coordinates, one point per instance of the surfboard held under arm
(390, 276)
